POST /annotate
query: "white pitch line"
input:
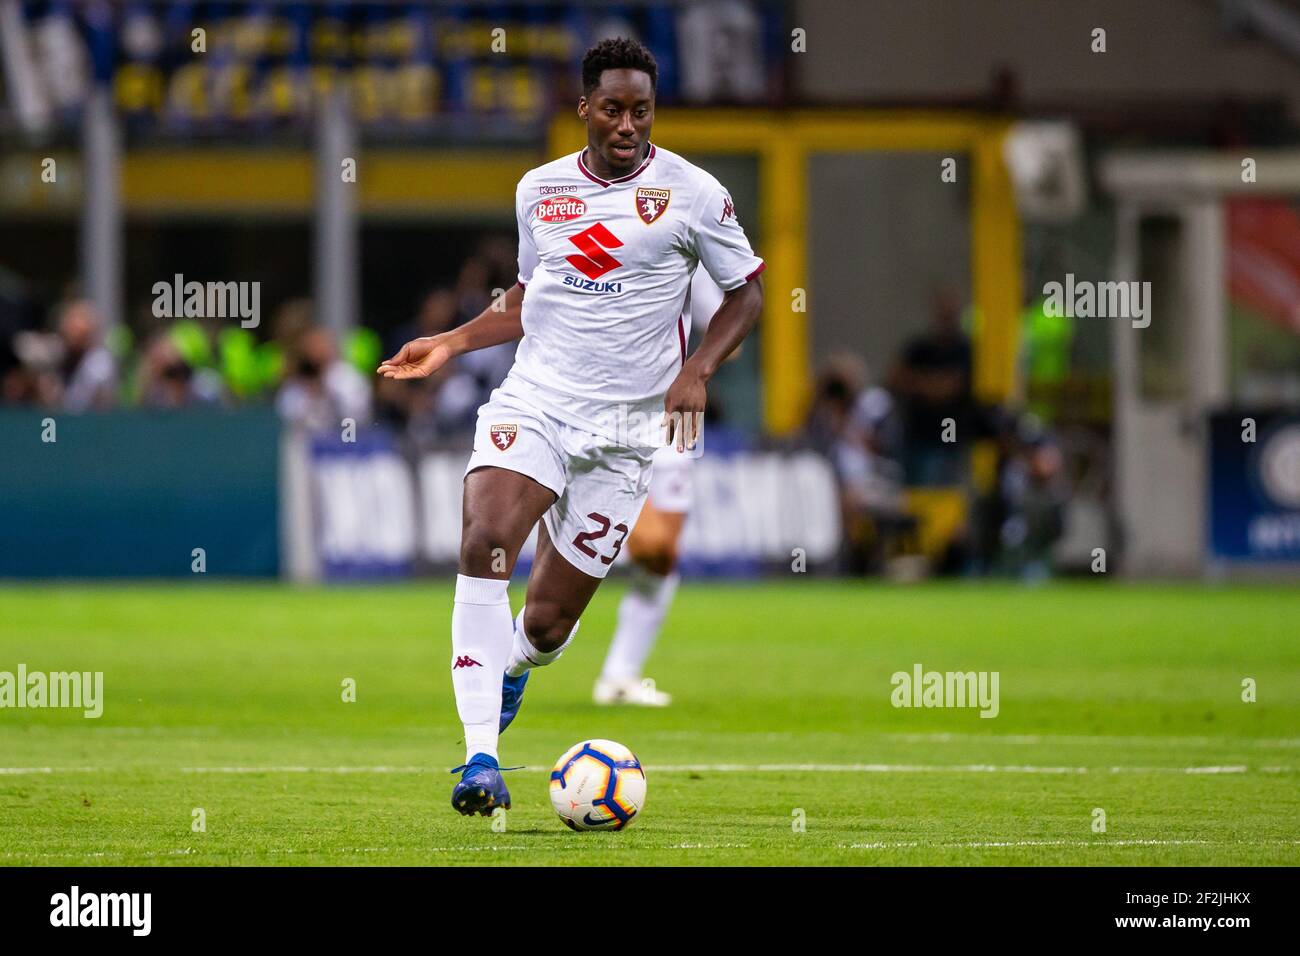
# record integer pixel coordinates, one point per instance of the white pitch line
(468, 848)
(311, 770)
(1099, 844)
(629, 848)
(855, 768)
(937, 737)
(947, 737)
(682, 768)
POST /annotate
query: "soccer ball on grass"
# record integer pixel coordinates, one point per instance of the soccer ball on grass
(598, 785)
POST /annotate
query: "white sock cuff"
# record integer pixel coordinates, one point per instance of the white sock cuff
(535, 657)
(652, 586)
(481, 590)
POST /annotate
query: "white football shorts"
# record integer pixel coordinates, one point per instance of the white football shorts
(671, 486)
(600, 485)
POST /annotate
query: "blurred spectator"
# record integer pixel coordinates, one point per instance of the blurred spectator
(413, 403)
(473, 292)
(721, 52)
(501, 253)
(451, 406)
(87, 370)
(932, 381)
(1016, 524)
(15, 309)
(22, 385)
(167, 380)
(852, 426)
(1033, 487)
(438, 312)
(320, 389)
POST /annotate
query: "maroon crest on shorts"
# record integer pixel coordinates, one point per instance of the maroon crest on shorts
(651, 203)
(503, 436)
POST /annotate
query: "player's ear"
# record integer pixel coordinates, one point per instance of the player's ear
(583, 106)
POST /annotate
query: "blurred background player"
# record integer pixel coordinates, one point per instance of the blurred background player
(653, 548)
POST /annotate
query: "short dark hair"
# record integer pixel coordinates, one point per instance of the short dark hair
(617, 53)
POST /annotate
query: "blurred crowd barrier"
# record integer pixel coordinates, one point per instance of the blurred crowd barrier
(139, 494)
(235, 493)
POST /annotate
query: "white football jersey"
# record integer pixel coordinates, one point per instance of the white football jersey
(606, 268)
(706, 299)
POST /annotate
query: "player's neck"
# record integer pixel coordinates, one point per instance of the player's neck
(594, 162)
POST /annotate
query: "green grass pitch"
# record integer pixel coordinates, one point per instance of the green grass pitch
(228, 698)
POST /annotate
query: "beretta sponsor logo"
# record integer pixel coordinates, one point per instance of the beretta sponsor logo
(560, 209)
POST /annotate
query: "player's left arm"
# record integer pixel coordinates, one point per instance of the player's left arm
(684, 403)
(716, 239)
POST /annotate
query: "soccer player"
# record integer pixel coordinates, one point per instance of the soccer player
(609, 238)
(652, 546)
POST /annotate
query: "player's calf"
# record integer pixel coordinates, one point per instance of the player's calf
(526, 653)
(547, 626)
(660, 558)
(653, 542)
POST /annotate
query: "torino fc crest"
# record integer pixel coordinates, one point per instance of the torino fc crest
(651, 203)
(503, 436)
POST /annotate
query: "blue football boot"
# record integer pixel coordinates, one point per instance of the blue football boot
(481, 788)
(512, 695)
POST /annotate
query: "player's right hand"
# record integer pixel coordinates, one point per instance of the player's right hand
(417, 358)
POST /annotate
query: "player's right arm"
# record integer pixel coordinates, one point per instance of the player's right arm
(500, 322)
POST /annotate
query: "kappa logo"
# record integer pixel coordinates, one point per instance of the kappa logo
(503, 436)
(465, 661)
(651, 203)
(728, 210)
(560, 209)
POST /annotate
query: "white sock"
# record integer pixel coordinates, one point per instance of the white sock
(480, 644)
(640, 616)
(524, 656)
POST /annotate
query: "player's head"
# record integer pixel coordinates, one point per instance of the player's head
(618, 101)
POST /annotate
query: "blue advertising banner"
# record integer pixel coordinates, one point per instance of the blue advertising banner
(363, 510)
(1254, 486)
(363, 506)
(139, 494)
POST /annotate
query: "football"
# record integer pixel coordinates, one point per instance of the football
(598, 785)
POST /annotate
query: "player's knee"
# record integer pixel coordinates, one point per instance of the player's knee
(482, 553)
(656, 552)
(547, 626)
(662, 559)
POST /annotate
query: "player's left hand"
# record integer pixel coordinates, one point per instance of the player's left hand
(684, 410)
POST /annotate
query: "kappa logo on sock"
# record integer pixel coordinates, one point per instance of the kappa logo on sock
(465, 661)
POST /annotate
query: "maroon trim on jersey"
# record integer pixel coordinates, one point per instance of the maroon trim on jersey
(582, 166)
(520, 283)
(681, 336)
(761, 267)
